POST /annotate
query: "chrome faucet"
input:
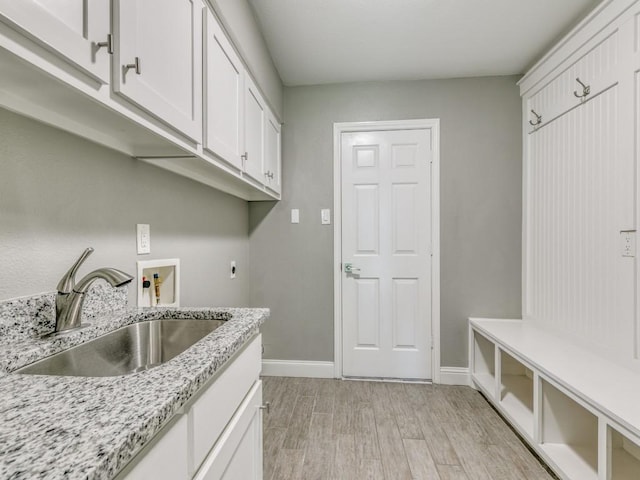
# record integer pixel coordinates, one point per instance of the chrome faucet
(71, 295)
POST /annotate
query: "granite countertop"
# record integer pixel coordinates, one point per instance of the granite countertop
(54, 427)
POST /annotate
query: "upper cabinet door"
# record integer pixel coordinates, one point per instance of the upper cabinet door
(71, 28)
(254, 121)
(158, 61)
(272, 153)
(223, 83)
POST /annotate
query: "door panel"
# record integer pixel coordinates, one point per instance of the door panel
(223, 96)
(254, 118)
(386, 236)
(167, 42)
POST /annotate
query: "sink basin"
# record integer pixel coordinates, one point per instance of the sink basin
(129, 349)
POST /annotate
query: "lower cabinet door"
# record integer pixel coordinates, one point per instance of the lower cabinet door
(166, 457)
(238, 452)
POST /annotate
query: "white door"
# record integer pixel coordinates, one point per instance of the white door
(158, 60)
(386, 242)
(254, 121)
(223, 91)
(71, 28)
(272, 153)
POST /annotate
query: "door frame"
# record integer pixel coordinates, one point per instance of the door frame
(345, 127)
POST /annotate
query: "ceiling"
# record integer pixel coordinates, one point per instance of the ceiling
(332, 41)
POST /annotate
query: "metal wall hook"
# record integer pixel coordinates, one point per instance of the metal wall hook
(538, 119)
(586, 89)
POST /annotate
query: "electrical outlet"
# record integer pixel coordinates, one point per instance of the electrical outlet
(143, 238)
(628, 243)
(295, 215)
(232, 271)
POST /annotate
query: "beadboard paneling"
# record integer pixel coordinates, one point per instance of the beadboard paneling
(579, 193)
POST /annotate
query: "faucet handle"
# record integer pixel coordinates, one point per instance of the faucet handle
(68, 280)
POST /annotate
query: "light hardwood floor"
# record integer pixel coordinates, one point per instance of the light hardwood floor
(351, 430)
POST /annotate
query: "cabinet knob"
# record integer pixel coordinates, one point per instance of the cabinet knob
(108, 44)
(266, 406)
(135, 65)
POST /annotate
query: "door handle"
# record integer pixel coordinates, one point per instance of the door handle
(349, 268)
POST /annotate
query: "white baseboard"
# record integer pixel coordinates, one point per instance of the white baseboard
(455, 376)
(297, 368)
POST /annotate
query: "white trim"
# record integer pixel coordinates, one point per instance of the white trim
(297, 368)
(338, 129)
(455, 376)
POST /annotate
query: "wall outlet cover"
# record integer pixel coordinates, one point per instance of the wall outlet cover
(143, 238)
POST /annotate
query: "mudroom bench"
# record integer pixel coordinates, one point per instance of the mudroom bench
(579, 411)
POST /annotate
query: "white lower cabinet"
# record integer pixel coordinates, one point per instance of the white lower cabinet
(219, 435)
(166, 456)
(238, 452)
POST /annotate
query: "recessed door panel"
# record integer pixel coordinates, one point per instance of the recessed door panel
(367, 215)
(368, 313)
(405, 312)
(405, 221)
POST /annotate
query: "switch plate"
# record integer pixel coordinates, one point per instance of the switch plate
(325, 216)
(143, 238)
(295, 215)
(628, 243)
(233, 269)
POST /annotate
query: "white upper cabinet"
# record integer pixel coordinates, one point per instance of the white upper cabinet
(223, 95)
(77, 30)
(254, 122)
(157, 62)
(272, 153)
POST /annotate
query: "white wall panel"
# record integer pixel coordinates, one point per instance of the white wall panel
(580, 190)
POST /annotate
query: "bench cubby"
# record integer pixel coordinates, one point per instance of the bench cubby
(484, 371)
(623, 455)
(577, 409)
(569, 434)
(516, 392)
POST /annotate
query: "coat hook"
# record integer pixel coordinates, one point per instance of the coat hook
(586, 90)
(538, 119)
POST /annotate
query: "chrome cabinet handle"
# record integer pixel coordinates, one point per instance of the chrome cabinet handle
(268, 174)
(108, 44)
(245, 156)
(266, 406)
(135, 65)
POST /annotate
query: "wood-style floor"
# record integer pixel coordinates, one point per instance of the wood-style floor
(344, 430)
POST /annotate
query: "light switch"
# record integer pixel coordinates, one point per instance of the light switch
(325, 216)
(295, 215)
(143, 238)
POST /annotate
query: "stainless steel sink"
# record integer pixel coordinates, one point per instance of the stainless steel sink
(129, 349)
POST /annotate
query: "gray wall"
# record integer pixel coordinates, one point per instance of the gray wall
(60, 194)
(481, 189)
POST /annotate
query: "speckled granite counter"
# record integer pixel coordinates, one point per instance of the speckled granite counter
(89, 428)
